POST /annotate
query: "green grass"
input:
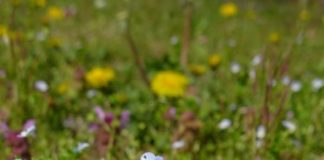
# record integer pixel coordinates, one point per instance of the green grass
(95, 37)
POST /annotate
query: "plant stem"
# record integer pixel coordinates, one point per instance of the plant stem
(137, 58)
(186, 34)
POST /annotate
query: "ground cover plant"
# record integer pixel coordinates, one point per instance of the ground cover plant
(183, 79)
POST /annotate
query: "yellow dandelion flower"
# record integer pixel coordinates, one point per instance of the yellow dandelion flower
(228, 9)
(304, 15)
(55, 13)
(214, 60)
(197, 69)
(3, 30)
(274, 37)
(169, 83)
(99, 77)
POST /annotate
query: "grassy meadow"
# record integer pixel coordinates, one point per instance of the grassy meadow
(183, 79)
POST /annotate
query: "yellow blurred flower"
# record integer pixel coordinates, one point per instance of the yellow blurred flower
(99, 77)
(274, 37)
(169, 83)
(214, 60)
(55, 13)
(197, 69)
(39, 3)
(228, 9)
(304, 15)
(3, 30)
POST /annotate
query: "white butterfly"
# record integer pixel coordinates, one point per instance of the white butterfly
(150, 156)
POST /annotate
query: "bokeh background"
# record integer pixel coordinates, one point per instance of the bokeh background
(184, 79)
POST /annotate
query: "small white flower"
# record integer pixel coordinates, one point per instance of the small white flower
(91, 93)
(235, 68)
(174, 40)
(261, 132)
(256, 60)
(178, 144)
(317, 84)
(296, 86)
(100, 4)
(41, 86)
(224, 124)
(28, 131)
(81, 146)
(289, 125)
(285, 80)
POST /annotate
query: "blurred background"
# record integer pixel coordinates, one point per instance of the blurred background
(184, 79)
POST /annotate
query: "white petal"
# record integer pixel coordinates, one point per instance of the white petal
(261, 132)
(296, 86)
(41, 86)
(317, 84)
(81, 146)
(27, 131)
(235, 68)
(224, 124)
(289, 125)
(178, 144)
(256, 60)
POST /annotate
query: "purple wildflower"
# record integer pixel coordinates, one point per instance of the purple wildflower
(17, 140)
